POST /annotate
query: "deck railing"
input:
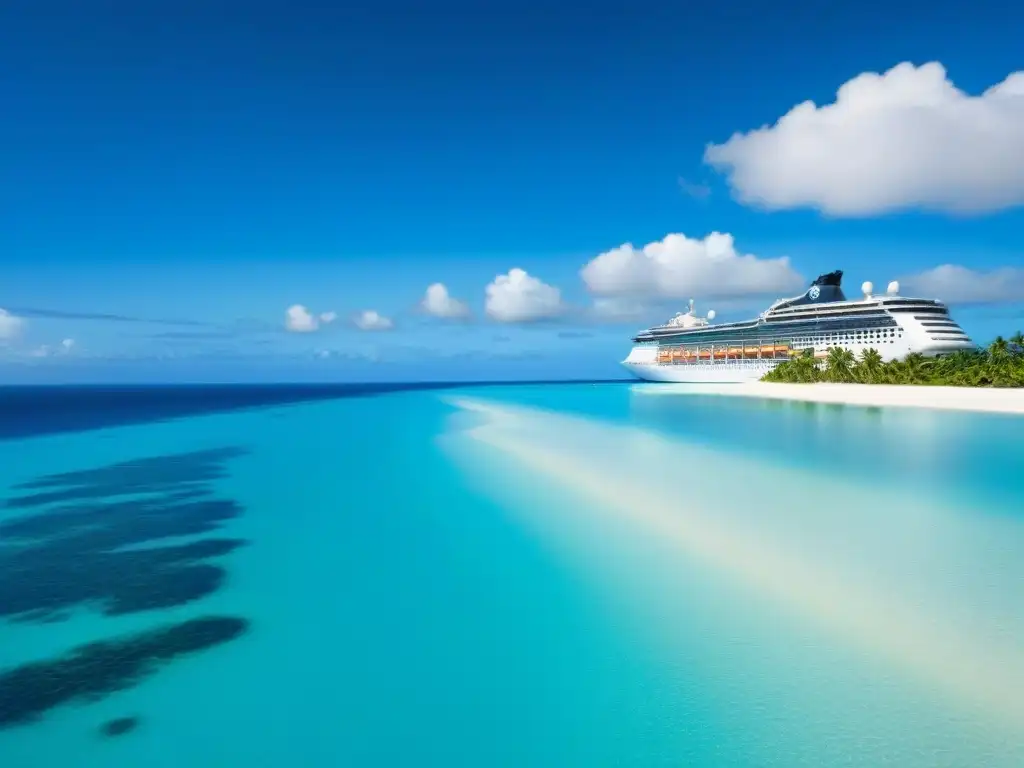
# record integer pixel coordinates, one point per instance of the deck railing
(731, 353)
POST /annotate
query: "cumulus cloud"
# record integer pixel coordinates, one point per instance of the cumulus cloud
(439, 303)
(681, 267)
(298, 319)
(518, 297)
(369, 320)
(959, 285)
(904, 139)
(328, 317)
(10, 325)
(64, 348)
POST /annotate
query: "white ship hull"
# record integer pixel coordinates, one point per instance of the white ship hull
(703, 373)
(643, 363)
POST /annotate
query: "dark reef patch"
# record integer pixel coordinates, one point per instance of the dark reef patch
(120, 538)
(119, 726)
(93, 537)
(91, 672)
(182, 473)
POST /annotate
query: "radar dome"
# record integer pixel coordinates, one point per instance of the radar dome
(893, 289)
(711, 314)
(868, 288)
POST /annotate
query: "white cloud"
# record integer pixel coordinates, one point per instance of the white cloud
(682, 267)
(10, 326)
(369, 320)
(439, 303)
(64, 348)
(904, 139)
(959, 285)
(519, 298)
(299, 319)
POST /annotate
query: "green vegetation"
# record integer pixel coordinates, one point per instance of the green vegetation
(1001, 365)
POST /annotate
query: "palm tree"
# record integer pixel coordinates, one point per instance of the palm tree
(1000, 360)
(869, 366)
(1017, 343)
(805, 367)
(999, 348)
(893, 373)
(1001, 365)
(915, 368)
(839, 364)
(956, 369)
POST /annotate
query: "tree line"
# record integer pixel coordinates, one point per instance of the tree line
(1000, 365)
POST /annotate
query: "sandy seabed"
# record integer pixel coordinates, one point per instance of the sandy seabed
(983, 399)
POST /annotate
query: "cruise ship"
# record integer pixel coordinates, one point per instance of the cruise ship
(689, 348)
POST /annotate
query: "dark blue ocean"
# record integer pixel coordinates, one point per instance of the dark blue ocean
(575, 575)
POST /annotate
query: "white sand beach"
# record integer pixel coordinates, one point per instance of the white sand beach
(982, 399)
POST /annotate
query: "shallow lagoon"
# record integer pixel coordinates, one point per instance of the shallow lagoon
(532, 575)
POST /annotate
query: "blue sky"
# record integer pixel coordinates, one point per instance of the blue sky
(177, 175)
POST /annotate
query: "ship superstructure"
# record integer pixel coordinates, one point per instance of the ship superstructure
(689, 348)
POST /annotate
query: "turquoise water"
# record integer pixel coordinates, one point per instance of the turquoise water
(584, 575)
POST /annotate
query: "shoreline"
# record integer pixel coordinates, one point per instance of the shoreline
(975, 399)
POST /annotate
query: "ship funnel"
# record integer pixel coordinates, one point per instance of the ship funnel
(893, 289)
(691, 306)
(868, 288)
